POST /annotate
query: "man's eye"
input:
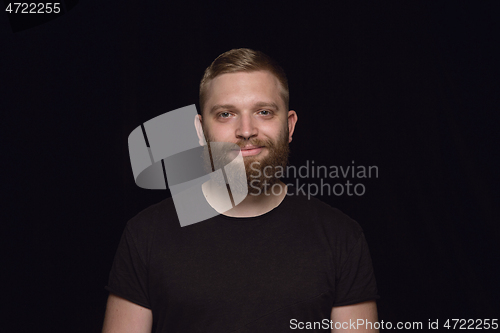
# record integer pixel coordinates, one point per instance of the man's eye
(265, 112)
(224, 115)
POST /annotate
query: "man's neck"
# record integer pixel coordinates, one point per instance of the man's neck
(252, 205)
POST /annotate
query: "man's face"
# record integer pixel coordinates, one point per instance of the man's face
(246, 108)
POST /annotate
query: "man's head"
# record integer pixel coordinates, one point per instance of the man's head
(244, 100)
(242, 60)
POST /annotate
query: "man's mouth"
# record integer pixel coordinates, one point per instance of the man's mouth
(251, 150)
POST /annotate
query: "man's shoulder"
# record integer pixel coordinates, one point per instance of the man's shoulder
(151, 217)
(319, 213)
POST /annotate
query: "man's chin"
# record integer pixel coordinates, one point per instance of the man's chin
(249, 160)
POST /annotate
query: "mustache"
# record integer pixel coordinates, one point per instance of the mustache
(255, 142)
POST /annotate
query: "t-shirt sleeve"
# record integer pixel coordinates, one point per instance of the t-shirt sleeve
(355, 280)
(129, 273)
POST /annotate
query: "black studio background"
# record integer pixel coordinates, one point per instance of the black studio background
(409, 87)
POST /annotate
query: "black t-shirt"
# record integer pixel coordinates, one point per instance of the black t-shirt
(255, 274)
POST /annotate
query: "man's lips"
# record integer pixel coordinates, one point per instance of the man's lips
(251, 150)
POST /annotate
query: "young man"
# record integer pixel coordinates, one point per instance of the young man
(273, 263)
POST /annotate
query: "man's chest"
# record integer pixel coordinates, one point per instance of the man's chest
(251, 275)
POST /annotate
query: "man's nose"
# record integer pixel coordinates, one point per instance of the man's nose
(247, 128)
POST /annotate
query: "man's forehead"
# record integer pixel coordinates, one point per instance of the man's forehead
(244, 78)
(263, 88)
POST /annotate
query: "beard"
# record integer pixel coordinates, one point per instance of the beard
(261, 172)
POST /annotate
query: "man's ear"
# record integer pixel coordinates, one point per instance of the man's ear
(199, 130)
(292, 120)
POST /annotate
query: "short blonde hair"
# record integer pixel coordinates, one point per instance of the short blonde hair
(242, 60)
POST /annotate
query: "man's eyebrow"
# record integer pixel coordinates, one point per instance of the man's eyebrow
(221, 106)
(217, 107)
(266, 104)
